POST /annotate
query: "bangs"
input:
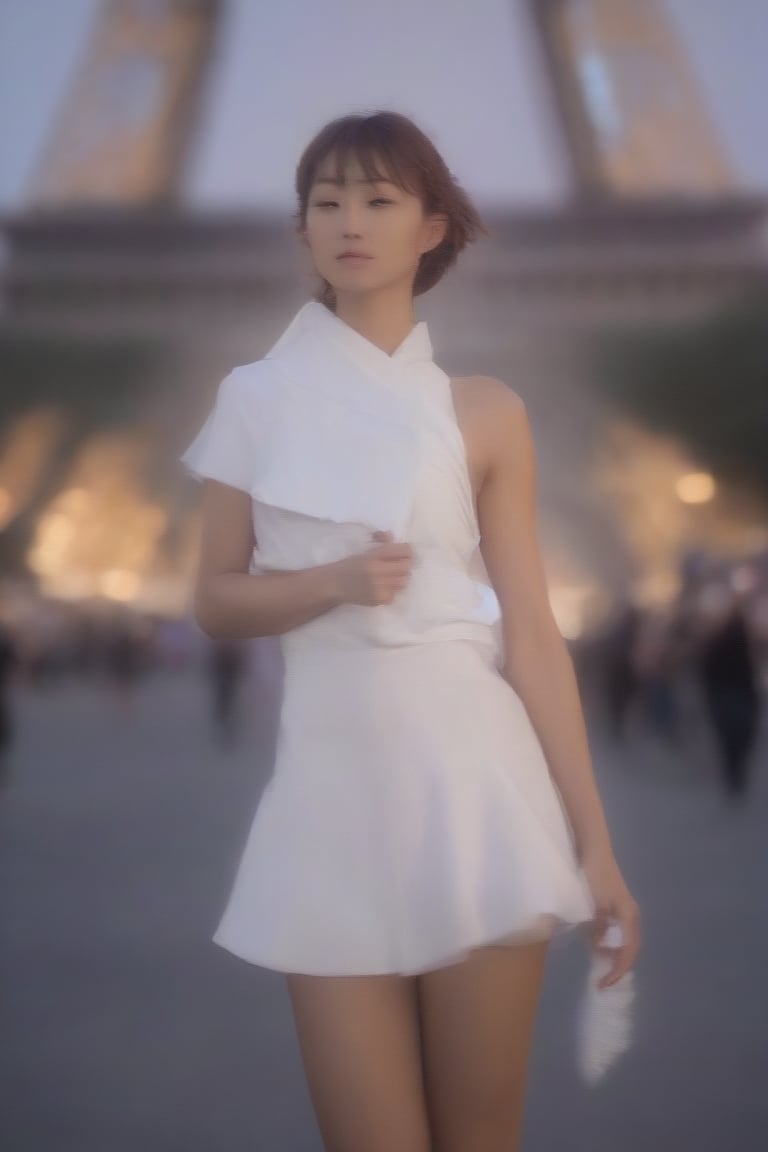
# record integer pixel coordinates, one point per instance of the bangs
(379, 157)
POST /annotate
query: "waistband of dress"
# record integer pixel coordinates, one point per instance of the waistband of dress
(302, 641)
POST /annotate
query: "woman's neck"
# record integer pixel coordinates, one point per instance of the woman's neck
(385, 321)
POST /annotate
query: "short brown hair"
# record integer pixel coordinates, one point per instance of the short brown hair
(411, 161)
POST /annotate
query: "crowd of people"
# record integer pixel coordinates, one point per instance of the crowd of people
(704, 657)
(52, 642)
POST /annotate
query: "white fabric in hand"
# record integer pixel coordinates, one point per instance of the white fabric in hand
(605, 1014)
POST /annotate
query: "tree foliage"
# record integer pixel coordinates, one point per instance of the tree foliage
(705, 383)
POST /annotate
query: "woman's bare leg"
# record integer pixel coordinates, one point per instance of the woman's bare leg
(477, 1022)
(359, 1039)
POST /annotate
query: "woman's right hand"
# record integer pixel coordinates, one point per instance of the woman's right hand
(376, 576)
(614, 904)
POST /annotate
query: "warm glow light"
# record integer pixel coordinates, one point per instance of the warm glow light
(569, 608)
(695, 488)
(119, 584)
(54, 535)
(74, 501)
(6, 507)
(656, 589)
(59, 528)
(43, 561)
(69, 585)
(101, 535)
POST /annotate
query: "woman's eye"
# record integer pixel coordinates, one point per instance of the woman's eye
(334, 203)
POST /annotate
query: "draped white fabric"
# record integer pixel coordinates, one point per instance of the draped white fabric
(410, 815)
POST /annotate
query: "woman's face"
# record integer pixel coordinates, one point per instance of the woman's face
(385, 226)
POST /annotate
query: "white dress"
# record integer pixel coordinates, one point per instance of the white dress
(410, 816)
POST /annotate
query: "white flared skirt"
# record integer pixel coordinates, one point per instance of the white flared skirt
(410, 818)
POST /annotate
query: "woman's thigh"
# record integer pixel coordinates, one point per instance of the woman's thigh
(360, 1045)
(477, 1026)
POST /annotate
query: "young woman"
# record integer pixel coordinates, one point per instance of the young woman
(432, 818)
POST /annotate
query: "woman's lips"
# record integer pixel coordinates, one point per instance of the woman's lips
(354, 259)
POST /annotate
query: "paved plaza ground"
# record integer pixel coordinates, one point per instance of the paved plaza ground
(123, 1029)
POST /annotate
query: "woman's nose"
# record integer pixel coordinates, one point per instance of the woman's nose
(350, 222)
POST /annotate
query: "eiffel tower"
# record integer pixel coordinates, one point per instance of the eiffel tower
(635, 119)
(657, 233)
(124, 132)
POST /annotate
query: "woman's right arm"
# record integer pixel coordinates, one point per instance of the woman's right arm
(231, 602)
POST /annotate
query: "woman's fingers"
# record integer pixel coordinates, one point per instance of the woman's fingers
(621, 965)
(395, 552)
(623, 958)
(394, 561)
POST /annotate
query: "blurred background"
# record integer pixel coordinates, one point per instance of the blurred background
(616, 149)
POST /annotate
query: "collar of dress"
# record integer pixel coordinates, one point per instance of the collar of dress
(316, 325)
(341, 422)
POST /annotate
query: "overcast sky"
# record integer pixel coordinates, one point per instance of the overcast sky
(468, 73)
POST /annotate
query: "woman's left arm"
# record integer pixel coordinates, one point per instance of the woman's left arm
(537, 662)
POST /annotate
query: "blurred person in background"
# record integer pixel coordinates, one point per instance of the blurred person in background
(658, 667)
(9, 660)
(621, 674)
(730, 680)
(759, 621)
(227, 664)
(411, 860)
(125, 658)
(174, 642)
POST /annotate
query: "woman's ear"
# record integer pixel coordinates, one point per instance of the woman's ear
(437, 228)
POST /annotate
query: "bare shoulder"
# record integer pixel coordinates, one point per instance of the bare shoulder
(494, 412)
(488, 396)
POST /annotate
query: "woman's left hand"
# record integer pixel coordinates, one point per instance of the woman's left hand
(613, 902)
